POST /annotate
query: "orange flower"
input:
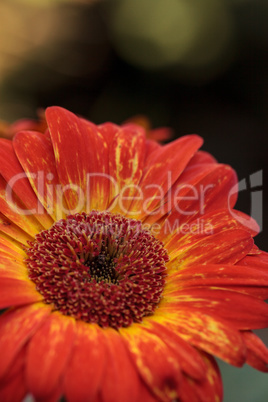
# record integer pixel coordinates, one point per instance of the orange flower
(124, 267)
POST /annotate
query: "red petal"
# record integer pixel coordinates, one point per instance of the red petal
(120, 381)
(151, 146)
(202, 157)
(162, 169)
(15, 292)
(108, 131)
(227, 246)
(15, 176)
(145, 394)
(209, 390)
(258, 262)
(82, 160)
(155, 361)
(54, 337)
(83, 376)
(240, 310)
(257, 352)
(200, 193)
(241, 279)
(247, 221)
(55, 396)
(41, 168)
(207, 333)
(16, 327)
(13, 390)
(17, 366)
(189, 359)
(196, 230)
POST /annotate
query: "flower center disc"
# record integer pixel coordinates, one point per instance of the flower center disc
(99, 267)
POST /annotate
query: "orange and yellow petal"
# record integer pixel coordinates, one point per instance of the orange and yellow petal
(188, 357)
(209, 390)
(239, 310)
(126, 162)
(210, 334)
(120, 381)
(12, 230)
(52, 345)
(16, 327)
(209, 224)
(16, 292)
(84, 372)
(10, 267)
(9, 246)
(242, 279)
(15, 210)
(154, 360)
(228, 246)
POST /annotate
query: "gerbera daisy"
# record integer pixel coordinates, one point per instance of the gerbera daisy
(124, 268)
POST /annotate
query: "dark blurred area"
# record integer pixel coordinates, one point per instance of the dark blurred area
(198, 66)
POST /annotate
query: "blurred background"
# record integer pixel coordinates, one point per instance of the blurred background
(198, 66)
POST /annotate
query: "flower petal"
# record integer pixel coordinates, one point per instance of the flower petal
(186, 187)
(216, 189)
(155, 361)
(120, 381)
(10, 247)
(13, 209)
(257, 352)
(16, 367)
(16, 178)
(146, 395)
(201, 157)
(126, 160)
(189, 359)
(15, 292)
(201, 228)
(11, 268)
(16, 327)
(81, 155)
(162, 169)
(209, 390)
(41, 170)
(258, 262)
(12, 230)
(240, 310)
(228, 246)
(55, 336)
(210, 334)
(241, 279)
(13, 390)
(86, 363)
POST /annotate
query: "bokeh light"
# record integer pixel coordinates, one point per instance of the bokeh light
(160, 33)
